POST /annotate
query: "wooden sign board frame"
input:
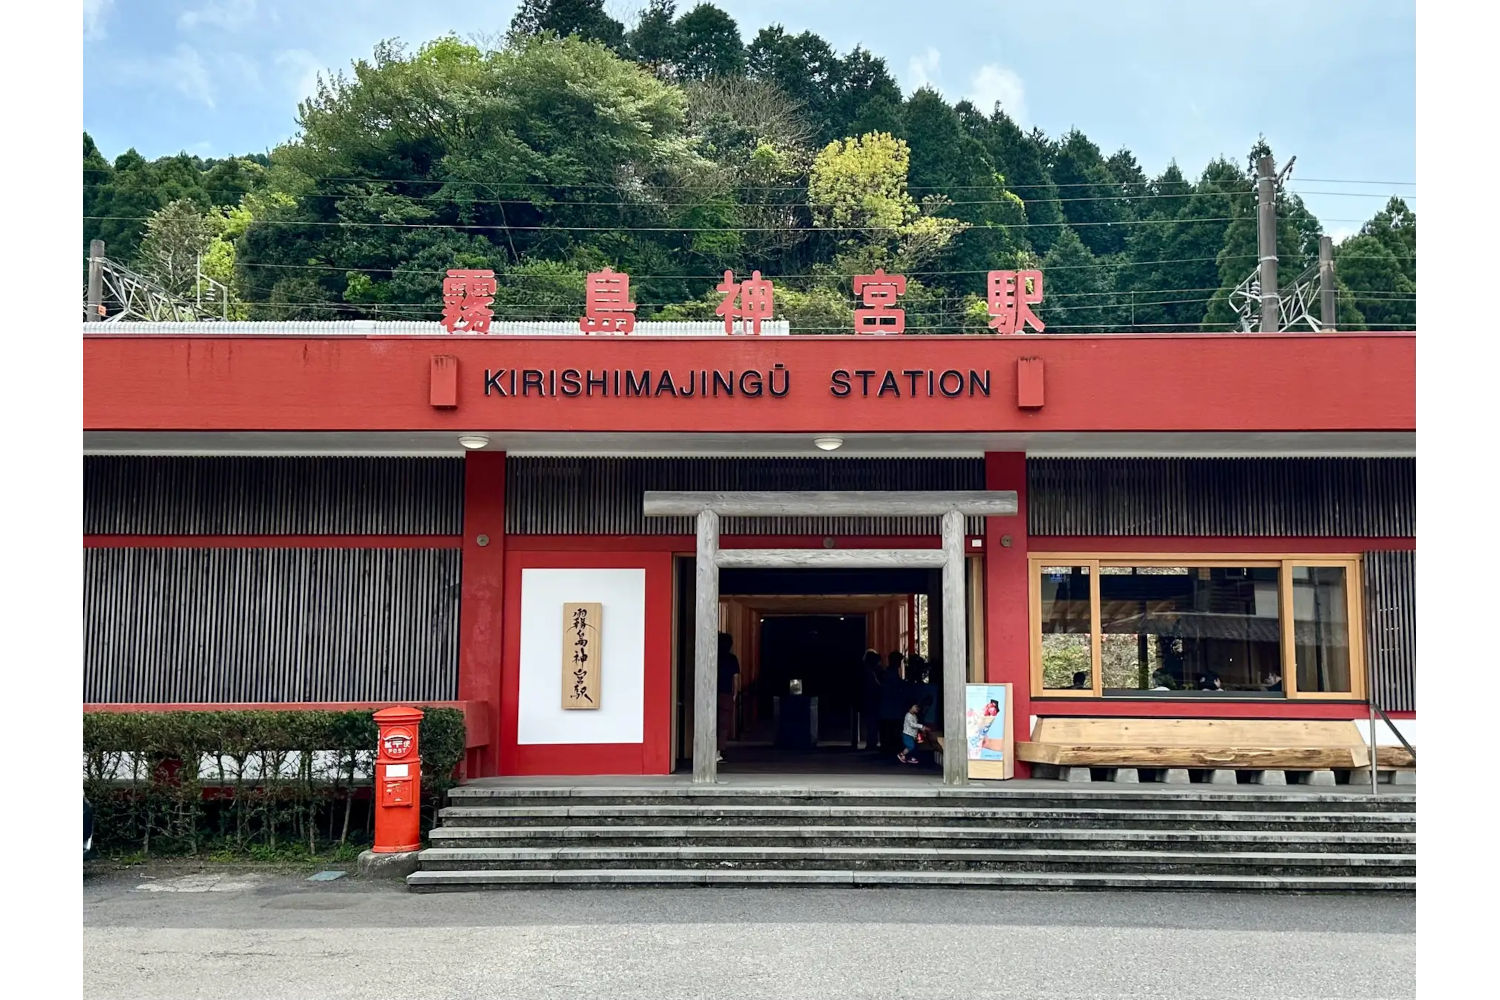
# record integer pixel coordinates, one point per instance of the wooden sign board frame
(981, 745)
(582, 648)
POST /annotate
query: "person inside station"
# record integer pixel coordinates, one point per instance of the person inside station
(729, 671)
(870, 682)
(1081, 680)
(894, 700)
(924, 692)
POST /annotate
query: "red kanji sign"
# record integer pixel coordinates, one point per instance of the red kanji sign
(755, 299)
(1011, 299)
(879, 291)
(607, 307)
(467, 296)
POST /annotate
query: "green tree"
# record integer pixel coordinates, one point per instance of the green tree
(1078, 295)
(707, 44)
(951, 164)
(803, 66)
(653, 40)
(1172, 262)
(97, 181)
(176, 237)
(1373, 280)
(584, 18)
(859, 188)
(868, 98)
(1091, 194)
(1021, 159)
(535, 151)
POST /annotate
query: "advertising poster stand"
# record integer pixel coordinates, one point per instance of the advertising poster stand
(989, 731)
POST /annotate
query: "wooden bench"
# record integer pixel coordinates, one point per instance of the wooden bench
(1238, 744)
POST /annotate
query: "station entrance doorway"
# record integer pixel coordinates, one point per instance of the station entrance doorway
(801, 701)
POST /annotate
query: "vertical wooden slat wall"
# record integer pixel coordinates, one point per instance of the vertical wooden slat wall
(1391, 628)
(292, 622)
(293, 625)
(245, 495)
(1247, 497)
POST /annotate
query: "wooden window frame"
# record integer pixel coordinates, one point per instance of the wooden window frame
(1284, 563)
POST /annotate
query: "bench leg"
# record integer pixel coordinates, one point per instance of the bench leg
(1077, 774)
(1404, 777)
(1127, 775)
(1321, 778)
(1269, 778)
(1224, 776)
(1176, 776)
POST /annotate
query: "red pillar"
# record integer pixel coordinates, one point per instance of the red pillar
(481, 616)
(1007, 618)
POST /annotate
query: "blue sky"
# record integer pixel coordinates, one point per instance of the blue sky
(1170, 79)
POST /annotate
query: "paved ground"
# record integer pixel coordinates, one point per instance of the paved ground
(242, 933)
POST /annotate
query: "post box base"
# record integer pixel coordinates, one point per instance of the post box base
(387, 865)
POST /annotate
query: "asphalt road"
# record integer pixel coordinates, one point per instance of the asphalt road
(240, 934)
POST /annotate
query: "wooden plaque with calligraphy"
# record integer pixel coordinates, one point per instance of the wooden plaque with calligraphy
(580, 655)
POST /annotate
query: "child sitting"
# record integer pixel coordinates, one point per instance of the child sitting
(910, 727)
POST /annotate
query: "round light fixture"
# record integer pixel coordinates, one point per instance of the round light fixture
(829, 443)
(473, 442)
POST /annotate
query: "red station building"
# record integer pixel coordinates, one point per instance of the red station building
(339, 514)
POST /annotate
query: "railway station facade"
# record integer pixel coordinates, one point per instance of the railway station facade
(1205, 526)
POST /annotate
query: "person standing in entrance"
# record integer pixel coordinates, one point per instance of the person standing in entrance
(869, 701)
(729, 672)
(893, 705)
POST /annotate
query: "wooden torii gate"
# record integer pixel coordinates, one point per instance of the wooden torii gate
(708, 507)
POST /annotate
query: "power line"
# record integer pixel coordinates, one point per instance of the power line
(646, 203)
(812, 275)
(344, 223)
(599, 185)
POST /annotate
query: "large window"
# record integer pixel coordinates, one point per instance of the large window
(1225, 627)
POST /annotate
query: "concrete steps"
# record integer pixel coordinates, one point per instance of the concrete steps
(458, 817)
(583, 878)
(809, 837)
(495, 835)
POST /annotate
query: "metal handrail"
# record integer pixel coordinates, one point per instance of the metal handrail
(1409, 748)
(1374, 760)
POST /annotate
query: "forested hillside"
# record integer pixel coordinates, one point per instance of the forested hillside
(674, 150)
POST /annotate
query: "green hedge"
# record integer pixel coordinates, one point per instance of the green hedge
(273, 780)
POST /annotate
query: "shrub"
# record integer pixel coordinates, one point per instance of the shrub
(189, 782)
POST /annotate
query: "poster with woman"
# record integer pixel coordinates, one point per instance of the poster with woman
(989, 737)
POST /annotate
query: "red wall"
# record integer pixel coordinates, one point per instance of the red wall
(1105, 383)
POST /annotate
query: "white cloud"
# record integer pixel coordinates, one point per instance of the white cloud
(189, 74)
(921, 71)
(184, 71)
(217, 14)
(300, 68)
(94, 13)
(1340, 233)
(994, 84)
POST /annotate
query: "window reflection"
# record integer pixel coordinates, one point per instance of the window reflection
(1320, 609)
(1197, 630)
(1067, 650)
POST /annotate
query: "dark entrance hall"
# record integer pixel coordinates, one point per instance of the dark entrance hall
(800, 636)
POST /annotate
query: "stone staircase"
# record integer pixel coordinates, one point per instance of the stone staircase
(1047, 835)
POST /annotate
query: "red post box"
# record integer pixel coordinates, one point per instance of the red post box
(398, 782)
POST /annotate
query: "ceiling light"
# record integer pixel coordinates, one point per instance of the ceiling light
(473, 442)
(829, 443)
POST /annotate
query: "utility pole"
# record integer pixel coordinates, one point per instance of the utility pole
(1328, 313)
(96, 282)
(1270, 296)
